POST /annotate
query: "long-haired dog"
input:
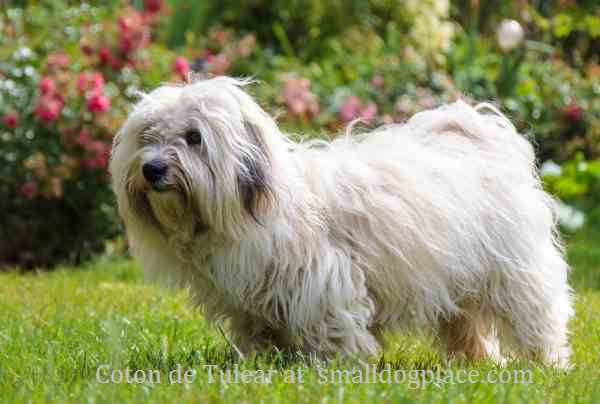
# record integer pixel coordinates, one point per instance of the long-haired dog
(321, 246)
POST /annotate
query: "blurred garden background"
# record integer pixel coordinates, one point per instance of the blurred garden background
(69, 72)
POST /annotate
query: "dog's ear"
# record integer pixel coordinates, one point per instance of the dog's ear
(254, 178)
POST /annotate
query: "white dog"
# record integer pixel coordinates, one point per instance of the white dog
(322, 246)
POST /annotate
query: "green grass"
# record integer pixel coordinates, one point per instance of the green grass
(57, 328)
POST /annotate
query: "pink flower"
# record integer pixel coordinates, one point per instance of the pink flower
(90, 81)
(369, 112)
(153, 6)
(246, 45)
(91, 163)
(46, 85)
(57, 60)
(181, 66)
(104, 56)
(220, 37)
(48, 108)
(99, 147)
(29, 190)
(97, 81)
(219, 64)
(98, 103)
(10, 120)
(350, 109)
(82, 82)
(298, 97)
(377, 81)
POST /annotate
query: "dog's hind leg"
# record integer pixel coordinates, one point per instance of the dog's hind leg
(536, 306)
(470, 333)
(536, 326)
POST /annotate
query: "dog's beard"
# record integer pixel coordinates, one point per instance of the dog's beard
(167, 207)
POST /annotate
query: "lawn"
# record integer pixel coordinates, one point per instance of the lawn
(57, 328)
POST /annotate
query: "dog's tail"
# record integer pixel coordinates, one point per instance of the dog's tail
(483, 124)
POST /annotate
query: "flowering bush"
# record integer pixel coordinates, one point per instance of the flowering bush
(60, 108)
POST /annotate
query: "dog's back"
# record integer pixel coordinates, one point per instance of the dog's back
(446, 214)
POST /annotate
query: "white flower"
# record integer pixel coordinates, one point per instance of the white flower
(23, 53)
(441, 7)
(550, 168)
(510, 35)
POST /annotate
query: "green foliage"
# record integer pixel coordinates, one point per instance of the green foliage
(578, 184)
(297, 28)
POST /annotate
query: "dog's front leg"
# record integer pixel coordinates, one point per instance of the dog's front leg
(252, 334)
(341, 335)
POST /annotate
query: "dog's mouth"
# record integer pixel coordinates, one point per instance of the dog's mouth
(161, 187)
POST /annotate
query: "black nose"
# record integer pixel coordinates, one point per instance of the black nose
(154, 170)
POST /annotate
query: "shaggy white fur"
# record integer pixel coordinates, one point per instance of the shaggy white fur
(323, 245)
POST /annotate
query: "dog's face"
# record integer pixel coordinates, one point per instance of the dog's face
(194, 159)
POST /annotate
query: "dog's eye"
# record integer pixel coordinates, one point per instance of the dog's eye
(193, 137)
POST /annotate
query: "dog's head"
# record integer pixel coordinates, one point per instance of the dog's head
(196, 158)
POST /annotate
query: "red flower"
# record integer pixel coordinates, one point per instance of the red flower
(123, 24)
(104, 55)
(153, 6)
(100, 153)
(10, 120)
(29, 190)
(181, 66)
(98, 103)
(572, 112)
(117, 64)
(84, 138)
(86, 49)
(126, 43)
(46, 85)
(48, 108)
